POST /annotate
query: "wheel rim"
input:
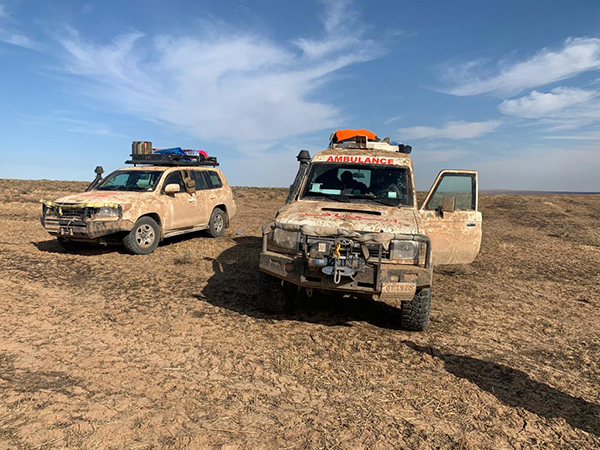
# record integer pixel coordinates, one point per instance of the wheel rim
(145, 236)
(219, 223)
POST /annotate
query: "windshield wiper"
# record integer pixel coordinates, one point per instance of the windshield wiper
(335, 197)
(106, 188)
(380, 200)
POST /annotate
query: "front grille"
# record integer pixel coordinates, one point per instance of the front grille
(71, 213)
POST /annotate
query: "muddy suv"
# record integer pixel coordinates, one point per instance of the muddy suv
(139, 206)
(351, 225)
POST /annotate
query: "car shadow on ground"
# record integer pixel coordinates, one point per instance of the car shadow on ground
(234, 287)
(52, 245)
(517, 389)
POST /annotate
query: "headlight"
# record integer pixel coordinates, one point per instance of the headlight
(279, 239)
(107, 212)
(404, 249)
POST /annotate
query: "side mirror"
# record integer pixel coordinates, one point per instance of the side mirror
(172, 188)
(448, 204)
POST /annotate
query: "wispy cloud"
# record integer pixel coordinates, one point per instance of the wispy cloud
(10, 35)
(20, 40)
(590, 136)
(451, 130)
(577, 55)
(539, 104)
(72, 125)
(543, 168)
(222, 83)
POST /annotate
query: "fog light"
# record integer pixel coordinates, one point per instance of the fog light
(289, 267)
(394, 278)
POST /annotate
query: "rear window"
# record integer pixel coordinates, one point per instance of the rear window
(212, 179)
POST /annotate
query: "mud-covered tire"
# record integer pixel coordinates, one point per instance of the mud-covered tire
(217, 223)
(144, 237)
(73, 246)
(274, 295)
(414, 314)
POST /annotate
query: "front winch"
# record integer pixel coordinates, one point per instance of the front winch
(343, 262)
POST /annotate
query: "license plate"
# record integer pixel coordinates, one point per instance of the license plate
(405, 289)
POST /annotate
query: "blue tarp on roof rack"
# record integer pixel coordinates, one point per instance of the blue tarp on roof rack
(170, 151)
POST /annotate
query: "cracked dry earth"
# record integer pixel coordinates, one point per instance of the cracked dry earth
(111, 351)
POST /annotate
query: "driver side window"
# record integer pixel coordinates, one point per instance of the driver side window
(174, 178)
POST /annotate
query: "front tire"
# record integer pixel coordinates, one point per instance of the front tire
(217, 223)
(414, 314)
(144, 237)
(275, 296)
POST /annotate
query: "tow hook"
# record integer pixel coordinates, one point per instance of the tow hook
(339, 268)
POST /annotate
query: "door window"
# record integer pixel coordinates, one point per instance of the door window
(175, 178)
(460, 186)
(200, 180)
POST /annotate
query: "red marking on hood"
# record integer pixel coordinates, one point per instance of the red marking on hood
(97, 194)
(350, 217)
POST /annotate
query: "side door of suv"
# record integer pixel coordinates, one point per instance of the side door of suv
(181, 205)
(203, 194)
(211, 193)
(451, 218)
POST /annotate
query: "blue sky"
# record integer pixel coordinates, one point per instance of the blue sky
(509, 88)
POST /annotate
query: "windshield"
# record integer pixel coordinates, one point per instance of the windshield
(388, 185)
(130, 180)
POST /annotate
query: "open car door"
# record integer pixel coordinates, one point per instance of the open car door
(451, 219)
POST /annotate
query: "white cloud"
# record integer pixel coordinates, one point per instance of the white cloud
(9, 36)
(20, 40)
(589, 136)
(451, 130)
(72, 125)
(221, 84)
(578, 55)
(338, 16)
(426, 155)
(538, 104)
(543, 168)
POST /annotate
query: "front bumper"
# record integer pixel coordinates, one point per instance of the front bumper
(385, 280)
(89, 229)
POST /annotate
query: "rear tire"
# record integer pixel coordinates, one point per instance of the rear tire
(72, 246)
(144, 237)
(275, 296)
(414, 314)
(217, 223)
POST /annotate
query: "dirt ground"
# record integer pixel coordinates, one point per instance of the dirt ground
(104, 350)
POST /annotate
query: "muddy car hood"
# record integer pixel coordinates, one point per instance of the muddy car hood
(351, 216)
(101, 197)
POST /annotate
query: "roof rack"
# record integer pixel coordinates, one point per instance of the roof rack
(156, 159)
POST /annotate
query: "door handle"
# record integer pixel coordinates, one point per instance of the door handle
(471, 225)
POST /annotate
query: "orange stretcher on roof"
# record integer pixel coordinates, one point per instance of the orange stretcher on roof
(342, 135)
